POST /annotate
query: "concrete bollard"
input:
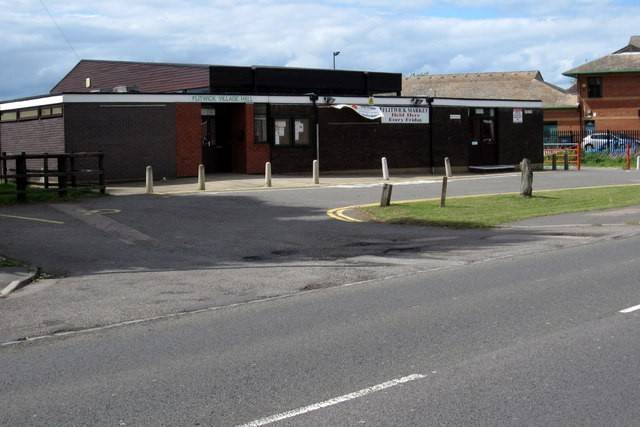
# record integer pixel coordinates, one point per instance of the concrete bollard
(316, 172)
(201, 178)
(385, 199)
(267, 174)
(638, 163)
(443, 194)
(385, 169)
(447, 167)
(148, 188)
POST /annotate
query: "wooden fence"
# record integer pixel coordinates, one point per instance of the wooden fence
(55, 172)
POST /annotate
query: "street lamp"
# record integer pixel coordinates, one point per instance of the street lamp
(336, 53)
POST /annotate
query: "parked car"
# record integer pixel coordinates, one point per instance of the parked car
(611, 142)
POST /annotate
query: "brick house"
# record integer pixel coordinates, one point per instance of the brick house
(608, 89)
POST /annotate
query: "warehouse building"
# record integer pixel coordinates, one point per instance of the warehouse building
(234, 119)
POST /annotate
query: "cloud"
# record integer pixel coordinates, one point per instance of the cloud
(402, 36)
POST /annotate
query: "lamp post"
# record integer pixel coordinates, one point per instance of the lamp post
(336, 53)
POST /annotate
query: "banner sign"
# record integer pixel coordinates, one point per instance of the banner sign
(405, 115)
(370, 112)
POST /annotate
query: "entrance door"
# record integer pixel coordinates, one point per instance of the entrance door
(484, 148)
(216, 140)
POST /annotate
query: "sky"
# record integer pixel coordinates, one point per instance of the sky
(43, 39)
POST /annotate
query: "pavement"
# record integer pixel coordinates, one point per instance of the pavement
(119, 259)
(243, 182)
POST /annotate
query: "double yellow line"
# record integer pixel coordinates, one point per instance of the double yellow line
(338, 213)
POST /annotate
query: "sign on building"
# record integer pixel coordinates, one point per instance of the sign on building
(517, 115)
(405, 115)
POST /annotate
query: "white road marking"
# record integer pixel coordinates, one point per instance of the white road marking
(630, 309)
(334, 401)
(28, 218)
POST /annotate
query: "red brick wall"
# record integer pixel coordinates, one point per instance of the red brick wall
(256, 154)
(619, 107)
(567, 119)
(188, 139)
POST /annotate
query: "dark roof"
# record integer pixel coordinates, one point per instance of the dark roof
(149, 77)
(523, 85)
(625, 60)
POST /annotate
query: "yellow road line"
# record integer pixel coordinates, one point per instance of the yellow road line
(28, 218)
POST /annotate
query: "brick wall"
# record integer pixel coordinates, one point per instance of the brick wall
(619, 106)
(348, 141)
(566, 119)
(519, 140)
(297, 158)
(256, 154)
(188, 139)
(33, 136)
(130, 136)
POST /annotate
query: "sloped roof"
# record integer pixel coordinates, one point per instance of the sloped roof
(625, 60)
(522, 85)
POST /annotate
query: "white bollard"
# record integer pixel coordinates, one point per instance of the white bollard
(201, 178)
(267, 174)
(385, 169)
(447, 167)
(149, 180)
(638, 163)
(316, 172)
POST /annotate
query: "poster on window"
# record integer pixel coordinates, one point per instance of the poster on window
(517, 115)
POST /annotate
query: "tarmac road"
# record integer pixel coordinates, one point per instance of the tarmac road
(117, 259)
(528, 340)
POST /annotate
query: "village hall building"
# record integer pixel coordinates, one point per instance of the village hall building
(235, 119)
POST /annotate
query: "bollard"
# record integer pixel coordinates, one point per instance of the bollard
(638, 163)
(447, 168)
(385, 169)
(201, 178)
(385, 200)
(149, 180)
(443, 195)
(267, 174)
(526, 181)
(316, 172)
(554, 161)
(565, 159)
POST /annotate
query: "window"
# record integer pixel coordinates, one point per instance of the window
(281, 132)
(594, 87)
(291, 131)
(28, 114)
(46, 112)
(9, 116)
(260, 123)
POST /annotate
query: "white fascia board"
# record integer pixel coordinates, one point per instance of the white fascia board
(250, 99)
(485, 103)
(28, 103)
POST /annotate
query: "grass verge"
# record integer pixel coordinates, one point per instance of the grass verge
(490, 211)
(604, 160)
(35, 194)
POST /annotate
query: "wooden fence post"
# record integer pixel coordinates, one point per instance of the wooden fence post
(554, 161)
(62, 175)
(21, 177)
(4, 167)
(443, 195)
(385, 200)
